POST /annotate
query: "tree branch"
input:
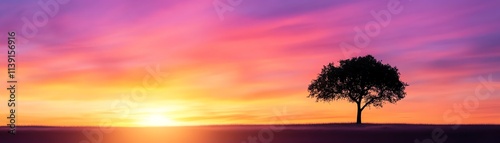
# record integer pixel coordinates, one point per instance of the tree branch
(380, 94)
(352, 98)
(371, 100)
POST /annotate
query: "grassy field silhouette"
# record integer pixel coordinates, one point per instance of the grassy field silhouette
(311, 133)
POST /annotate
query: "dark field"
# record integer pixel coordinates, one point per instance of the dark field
(326, 133)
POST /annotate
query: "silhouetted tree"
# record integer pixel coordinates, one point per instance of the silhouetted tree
(362, 80)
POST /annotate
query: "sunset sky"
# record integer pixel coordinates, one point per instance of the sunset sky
(241, 69)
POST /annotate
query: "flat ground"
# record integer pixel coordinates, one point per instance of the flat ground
(324, 133)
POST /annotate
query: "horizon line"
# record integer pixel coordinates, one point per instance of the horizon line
(290, 124)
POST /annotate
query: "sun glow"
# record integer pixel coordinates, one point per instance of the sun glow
(157, 120)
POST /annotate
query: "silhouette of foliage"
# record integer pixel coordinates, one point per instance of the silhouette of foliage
(362, 80)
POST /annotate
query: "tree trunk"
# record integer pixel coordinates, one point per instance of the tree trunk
(358, 119)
